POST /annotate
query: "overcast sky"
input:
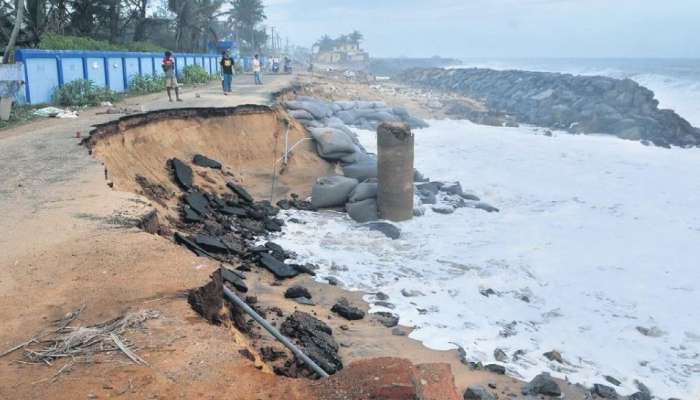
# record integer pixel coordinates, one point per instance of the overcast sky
(499, 28)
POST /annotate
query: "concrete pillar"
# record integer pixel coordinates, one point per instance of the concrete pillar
(395, 169)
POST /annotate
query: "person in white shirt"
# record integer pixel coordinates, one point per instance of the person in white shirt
(257, 70)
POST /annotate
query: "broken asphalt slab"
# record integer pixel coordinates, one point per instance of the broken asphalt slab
(183, 174)
(198, 202)
(234, 278)
(278, 268)
(200, 252)
(206, 162)
(240, 192)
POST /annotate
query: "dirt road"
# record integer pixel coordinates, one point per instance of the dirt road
(65, 244)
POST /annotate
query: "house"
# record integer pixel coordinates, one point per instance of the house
(342, 52)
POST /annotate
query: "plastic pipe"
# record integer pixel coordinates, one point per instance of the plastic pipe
(274, 332)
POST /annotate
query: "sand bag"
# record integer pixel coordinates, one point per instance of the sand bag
(332, 191)
(332, 144)
(301, 114)
(318, 109)
(333, 122)
(348, 116)
(359, 155)
(346, 105)
(362, 170)
(363, 211)
(365, 190)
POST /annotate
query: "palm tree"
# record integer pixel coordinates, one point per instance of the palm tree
(244, 16)
(356, 37)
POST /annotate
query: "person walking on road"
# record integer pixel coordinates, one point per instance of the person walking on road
(227, 69)
(168, 65)
(257, 70)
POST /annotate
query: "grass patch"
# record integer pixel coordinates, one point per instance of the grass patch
(19, 115)
(81, 93)
(196, 75)
(140, 85)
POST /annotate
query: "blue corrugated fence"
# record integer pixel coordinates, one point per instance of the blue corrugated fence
(45, 70)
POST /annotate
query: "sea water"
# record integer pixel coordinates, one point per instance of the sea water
(594, 253)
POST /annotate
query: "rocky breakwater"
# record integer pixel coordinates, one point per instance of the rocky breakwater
(577, 104)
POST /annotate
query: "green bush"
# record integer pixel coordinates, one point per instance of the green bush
(51, 41)
(195, 74)
(82, 93)
(139, 85)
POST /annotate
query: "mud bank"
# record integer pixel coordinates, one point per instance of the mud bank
(249, 140)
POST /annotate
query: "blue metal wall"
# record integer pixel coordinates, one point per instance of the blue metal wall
(45, 70)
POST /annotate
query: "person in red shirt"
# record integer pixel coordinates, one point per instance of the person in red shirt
(168, 65)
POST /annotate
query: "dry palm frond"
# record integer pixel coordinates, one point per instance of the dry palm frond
(82, 342)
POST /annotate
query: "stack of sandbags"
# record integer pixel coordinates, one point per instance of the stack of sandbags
(332, 191)
(364, 167)
(362, 203)
(333, 144)
(316, 113)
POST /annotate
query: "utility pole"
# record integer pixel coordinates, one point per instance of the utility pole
(272, 38)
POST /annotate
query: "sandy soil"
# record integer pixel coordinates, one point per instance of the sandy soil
(66, 246)
(69, 242)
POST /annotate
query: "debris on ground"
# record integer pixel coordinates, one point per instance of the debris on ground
(206, 162)
(53, 112)
(68, 339)
(296, 292)
(315, 338)
(208, 300)
(119, 110)
(387, 319)
(343, 308)
(154, 192)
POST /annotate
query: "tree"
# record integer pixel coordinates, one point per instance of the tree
(139, 9)
(9, 54)
(356, 37)
(193, 19)
(245, 16)
(58, 18)
(325, 43)
(88, 16)
(114, 17)
(178, 24)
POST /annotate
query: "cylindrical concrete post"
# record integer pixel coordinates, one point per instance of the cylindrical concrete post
(395, 169)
